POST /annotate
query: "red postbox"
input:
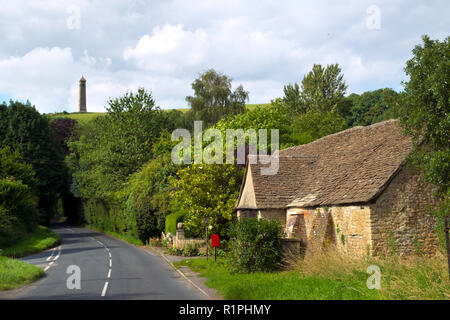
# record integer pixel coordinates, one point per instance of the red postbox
(215, 244)
(214, 240)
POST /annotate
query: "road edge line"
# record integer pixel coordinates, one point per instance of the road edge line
(182, 274)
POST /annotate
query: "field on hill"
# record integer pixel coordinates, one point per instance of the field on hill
(83, 117)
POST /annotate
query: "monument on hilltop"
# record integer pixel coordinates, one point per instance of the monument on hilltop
(82, 96)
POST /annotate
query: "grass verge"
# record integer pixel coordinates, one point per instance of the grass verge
(40, 239)
(15, 273)
(120, 236)
(330, 278)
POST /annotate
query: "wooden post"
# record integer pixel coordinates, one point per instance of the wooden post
(207, 244)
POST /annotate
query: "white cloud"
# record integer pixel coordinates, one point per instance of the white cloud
(168, 49)
(40, 75)
(163, 46)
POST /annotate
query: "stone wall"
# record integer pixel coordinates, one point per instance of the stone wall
(180, 242)
(346, 227)
(273, 214)
(247, 213)
(400, 218)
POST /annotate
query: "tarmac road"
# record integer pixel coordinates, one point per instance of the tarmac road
(109, 269)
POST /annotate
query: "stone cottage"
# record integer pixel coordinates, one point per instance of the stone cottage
(351, 189)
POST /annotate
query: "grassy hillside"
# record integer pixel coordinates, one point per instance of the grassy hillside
(252, 106)
(83, 117)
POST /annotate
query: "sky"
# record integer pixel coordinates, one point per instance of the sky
(117, 45)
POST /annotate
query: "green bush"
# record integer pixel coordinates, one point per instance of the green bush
(256, 245)
(175, 251)
(18, 213)
(148, 198)
(172, 221)
(11, 228)
(190, 250)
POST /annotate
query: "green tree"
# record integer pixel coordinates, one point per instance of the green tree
(18, 212)
(270, 117)
(426, 114)
(148, 196)
(292, 100)
(208, 191)
(25, 130)
(316, 124)
(322, 89)
(110, 148)
(213, 98)
(372, 106)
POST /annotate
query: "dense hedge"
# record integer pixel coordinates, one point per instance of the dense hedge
(256, 245)
(18, 212)
(172, 221)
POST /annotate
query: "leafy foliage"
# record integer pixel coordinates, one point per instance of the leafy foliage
(372, 106)
(213, 98)
(208, 191)
(110, 148)
(256, 245)
(148, 196)
(18, 212)
(62, 130)
(313, 125)
(426, 115)
(120, 166)
(25, 130)
(322, 89)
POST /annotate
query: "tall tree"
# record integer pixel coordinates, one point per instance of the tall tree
(426, 114)
(214, 99)
(322, 89)
(292, 100)
(25, 130)
(18, 212)
(110, 148)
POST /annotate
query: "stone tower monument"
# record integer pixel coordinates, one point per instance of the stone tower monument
(82, 96)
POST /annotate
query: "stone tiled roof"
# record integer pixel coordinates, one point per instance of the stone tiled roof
(351, 166)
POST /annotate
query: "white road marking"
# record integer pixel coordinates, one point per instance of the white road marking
(104, 289)
(184, 276)
(150, 253)
(53, 259)
(59, 253)
(51, 256)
